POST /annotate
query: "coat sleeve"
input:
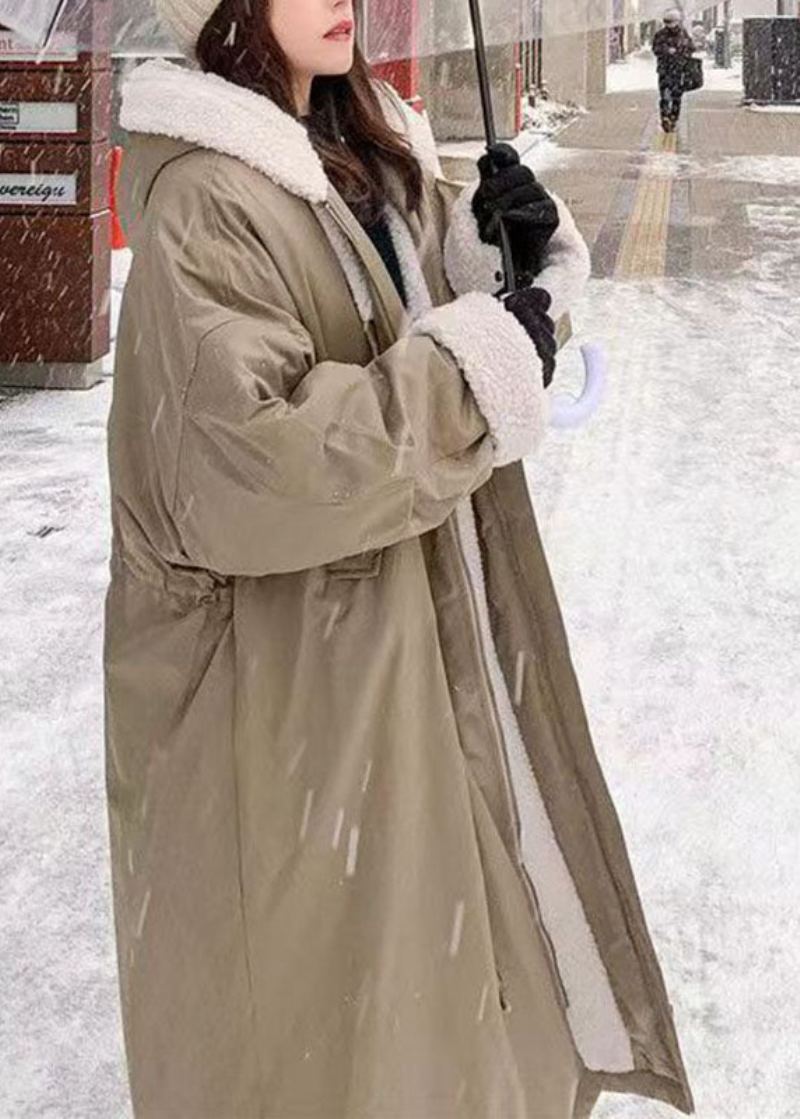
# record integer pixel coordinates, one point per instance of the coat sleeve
(287, 461)
(470, 264)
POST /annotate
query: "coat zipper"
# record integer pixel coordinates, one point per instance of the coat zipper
(526, 880)
(511, 798)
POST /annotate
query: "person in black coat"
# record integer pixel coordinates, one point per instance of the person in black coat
(672, 46)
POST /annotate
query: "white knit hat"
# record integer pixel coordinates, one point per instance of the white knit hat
(186, 19)
(673, 14)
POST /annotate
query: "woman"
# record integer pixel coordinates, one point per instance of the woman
(365, 863)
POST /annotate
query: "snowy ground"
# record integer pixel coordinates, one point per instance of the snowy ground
(60, 1047)
(547, 118)
(638, 71)
(780, 110)
(767, 170)
(672, 524)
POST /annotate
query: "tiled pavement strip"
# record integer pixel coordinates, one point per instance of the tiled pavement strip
(675, 205)
(643, 250)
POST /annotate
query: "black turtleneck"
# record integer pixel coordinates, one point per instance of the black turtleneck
(381, 238)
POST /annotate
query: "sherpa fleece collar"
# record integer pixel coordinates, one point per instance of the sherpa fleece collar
(164, 99)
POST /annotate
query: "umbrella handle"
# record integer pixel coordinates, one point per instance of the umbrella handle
(565, 410)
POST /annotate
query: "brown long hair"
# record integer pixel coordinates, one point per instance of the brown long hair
(347, 126)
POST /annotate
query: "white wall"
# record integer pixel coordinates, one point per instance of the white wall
(744, 8)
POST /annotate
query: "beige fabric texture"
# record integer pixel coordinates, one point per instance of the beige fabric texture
(320, 898)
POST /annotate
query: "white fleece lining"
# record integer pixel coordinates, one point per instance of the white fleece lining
(353, 270)
(417, 295)
(500, 363)
(168, 100)
(469, 263)
(472, 265)
(418, 298)
(594, 1018)
(567, 263)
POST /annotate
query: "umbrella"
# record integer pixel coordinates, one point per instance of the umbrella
(566, 412)
(422, 28)
(509, 271)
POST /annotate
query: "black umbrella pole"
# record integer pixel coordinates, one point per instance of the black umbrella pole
(54, 23)
(491, 134)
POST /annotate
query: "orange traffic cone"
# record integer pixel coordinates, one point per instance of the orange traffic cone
(117, 235)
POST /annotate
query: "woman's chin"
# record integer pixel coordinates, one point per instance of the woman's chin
(334, 69)
(338, 59)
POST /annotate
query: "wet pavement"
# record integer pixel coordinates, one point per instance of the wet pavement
(693, 203)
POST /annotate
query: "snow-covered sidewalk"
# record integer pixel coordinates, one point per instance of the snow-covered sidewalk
(60, 1044)
(672, 526)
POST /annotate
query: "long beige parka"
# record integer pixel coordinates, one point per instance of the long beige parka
(365, 863)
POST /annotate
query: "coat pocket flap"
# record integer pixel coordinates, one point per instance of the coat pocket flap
(365, 565)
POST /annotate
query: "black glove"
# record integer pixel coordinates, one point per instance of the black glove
(509, 190)
(530, 306)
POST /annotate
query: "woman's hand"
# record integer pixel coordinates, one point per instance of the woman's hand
(530, 306)
(510, 191)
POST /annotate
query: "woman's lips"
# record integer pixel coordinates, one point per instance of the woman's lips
(341, 33)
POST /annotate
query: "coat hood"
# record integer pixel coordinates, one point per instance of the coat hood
(163, 99)
(173, 108)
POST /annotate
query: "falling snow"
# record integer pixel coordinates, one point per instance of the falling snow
(458, 924)
(671, 523)
(352, 852)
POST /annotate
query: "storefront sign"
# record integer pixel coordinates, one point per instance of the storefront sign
(38, 116)
(38, 190)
